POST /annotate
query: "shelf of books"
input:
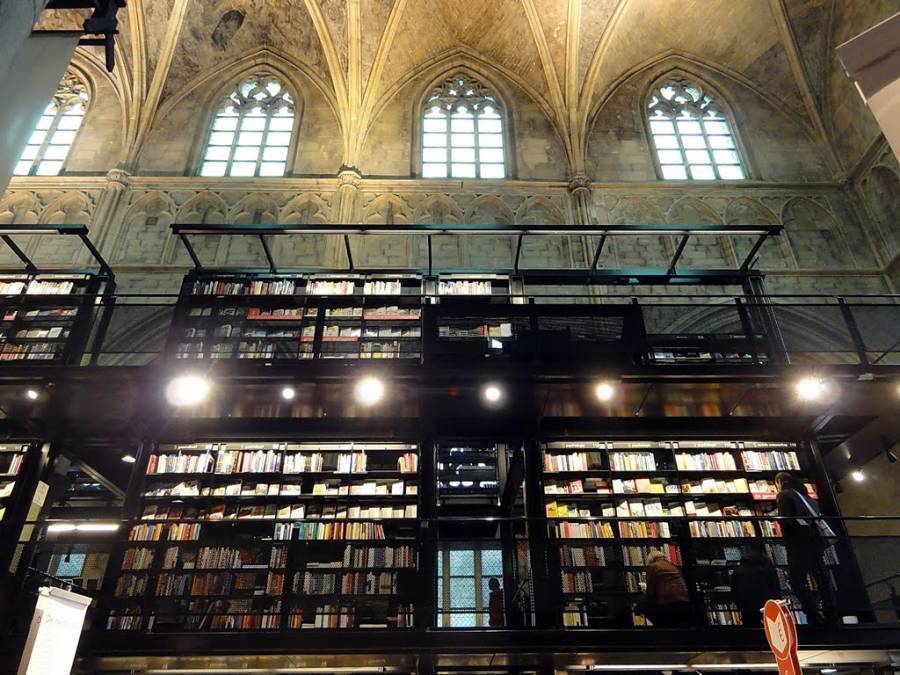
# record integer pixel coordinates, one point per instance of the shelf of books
(272, 537)
(40, 313)
(301, 317)
(701, 503)
(12, 457)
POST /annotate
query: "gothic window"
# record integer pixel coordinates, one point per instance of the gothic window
(691, 134)
(55, 133)
(251, 132)
(462, 132)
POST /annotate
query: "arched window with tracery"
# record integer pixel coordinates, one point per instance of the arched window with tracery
(691, 134)
(251, 131)
(50, 142)
(463, 131)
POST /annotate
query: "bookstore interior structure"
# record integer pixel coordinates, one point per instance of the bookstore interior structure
(423, 470)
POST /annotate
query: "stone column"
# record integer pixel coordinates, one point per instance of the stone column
(105, 227)
(346, 207)
(580, 192)
(16, 19)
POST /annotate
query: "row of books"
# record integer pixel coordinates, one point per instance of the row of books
(770, 461)
(34, 351)
(225, 557)
(225, 462)
(220, 287)
(236, 331)
(328, 531)
(759, 489)
(486, 330)
(37, 287)
(635, 582)
(348, 583)
(48, 333)
(14, 465)
(380, 556)
(137, 559)
(282, 512)
(576, 582)
(576, 461)
(582, 556)
(40, 314)
(632, 461)
(717, 461)
(643, 530)
(160, 532)
(592, 530)
(636, 556)
(722, 529)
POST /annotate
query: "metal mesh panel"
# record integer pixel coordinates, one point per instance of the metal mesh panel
(879, 327)
(585, 328)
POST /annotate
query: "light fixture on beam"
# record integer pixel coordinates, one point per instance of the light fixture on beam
(811, 388)
(605, 391)
(492, 394)
(288, 393)
(858, 475)
(32, 394)
(369, 391)
(187, 390)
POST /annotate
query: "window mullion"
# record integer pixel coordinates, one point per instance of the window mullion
(681, 149)
(263, 141)
(709, 151)
(477, 146)
(449, 143)
(45, 144)
(476, 581)
(234, 142)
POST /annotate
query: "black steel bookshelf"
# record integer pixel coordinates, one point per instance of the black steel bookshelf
(700, 503)
(238, 536)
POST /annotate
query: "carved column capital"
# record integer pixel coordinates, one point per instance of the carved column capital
(118, 179)
(580, 185)
(349, 176)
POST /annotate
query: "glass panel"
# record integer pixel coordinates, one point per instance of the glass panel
(463, 155)
(462, 140)
(666, 141)
(213, 168)
(281, 123)
(435, 125)
(217, 153)
(462, 563)
(464, 125)
(221, 138)
(49, 168)
(462, 170)
(490, 155)
(63, 138)
(716, 127)
(246, 154)
(272, 169)
(254, 138)
(69, 122)
(30, 152)
(731, 172)
(490, 140)
(51, 110)
(434, 170)
(243, 169)
(225, 123)
(688, 127)
(693, 142)
(489, 126)
(434, 155)
(253, 124)
(673, 172)
(492, 563)
(670, 157)
(45, 122)
(22, 168)
(662, 127)
(697, 156)
(721, 142)
(278, 138)
(56, 152)
(275, 154)
(462, 620)
(726, 156)
(702, 172)
(492, 171)
(37, 137)
(462, 592)
(434, 140)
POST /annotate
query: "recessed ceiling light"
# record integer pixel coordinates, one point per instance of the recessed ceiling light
(288, 393)
(605, 391)
(810, 388)
(492, 393)
(858, 475)
(187, 390)
(369, 391)
(128, 459)
(32, 394)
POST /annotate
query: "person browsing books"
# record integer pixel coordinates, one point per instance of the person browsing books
(805, 540)
(666, 601)
(754, 582)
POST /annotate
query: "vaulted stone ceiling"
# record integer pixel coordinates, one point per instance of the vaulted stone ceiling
(565, 54)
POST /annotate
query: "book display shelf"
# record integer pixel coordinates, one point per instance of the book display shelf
(40, 315)
(701, 503)
(12, 457)
(272, 537)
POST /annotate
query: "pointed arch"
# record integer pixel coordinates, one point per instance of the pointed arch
(145, 228)
(437, 209)
(814, 235)
(389, 209)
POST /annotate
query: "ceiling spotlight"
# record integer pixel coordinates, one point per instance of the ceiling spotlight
(187, 390)
(810, 388)
(369, 391)
(128, 459)
(288, 393)
(828, 671)
(492, 393)
(32, 394)
(605, 391)
(858, 475)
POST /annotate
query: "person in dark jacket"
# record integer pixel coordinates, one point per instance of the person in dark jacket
(805, 548)
(754, 582)
(666, 603)
(495, 603)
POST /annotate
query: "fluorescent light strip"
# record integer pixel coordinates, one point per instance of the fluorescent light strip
(639, 666)
(83, 527)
